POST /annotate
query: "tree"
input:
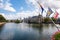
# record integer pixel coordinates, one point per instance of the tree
(54, 19)
(47, 20)
(2, 19)
(18, 21)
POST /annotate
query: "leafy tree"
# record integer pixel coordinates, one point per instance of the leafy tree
(54, 19)
(18, 21)
(46, 20)
(2, 19)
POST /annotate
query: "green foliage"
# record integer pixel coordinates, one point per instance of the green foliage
(2, 19)
(46, 20)
(54, 19)
(49, 20)
(18, 21)
(57, 36)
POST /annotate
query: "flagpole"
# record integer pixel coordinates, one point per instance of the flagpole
(54, 24)
(39, 12)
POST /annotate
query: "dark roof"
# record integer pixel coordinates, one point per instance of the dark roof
(34, 16)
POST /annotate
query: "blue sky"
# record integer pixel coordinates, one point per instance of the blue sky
(17, 4)
(11, 8)
(15, 9)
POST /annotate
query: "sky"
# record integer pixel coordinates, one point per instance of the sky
(16, 9)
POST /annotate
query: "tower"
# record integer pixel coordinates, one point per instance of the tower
(40, 18)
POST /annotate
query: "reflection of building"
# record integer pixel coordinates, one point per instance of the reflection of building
(34, 19)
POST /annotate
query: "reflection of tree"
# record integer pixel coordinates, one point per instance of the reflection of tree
(1, 27)
(46, 25)
(46, 20)
(39, 28)
(52, 25)
(37, 25)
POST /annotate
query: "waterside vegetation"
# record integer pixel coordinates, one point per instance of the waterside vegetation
(2, 20)
(39, 19)
(18, 21)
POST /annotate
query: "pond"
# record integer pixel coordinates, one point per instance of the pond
(25, 31)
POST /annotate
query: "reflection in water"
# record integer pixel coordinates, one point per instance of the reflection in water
(39, 28)
(46, 30)
(1, 27)
(24, 31)
(37, 25)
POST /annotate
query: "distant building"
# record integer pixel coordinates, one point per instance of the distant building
(34, 19)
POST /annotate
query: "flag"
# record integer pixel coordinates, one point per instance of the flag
(41, 7)
(49, 12)
(56, 15)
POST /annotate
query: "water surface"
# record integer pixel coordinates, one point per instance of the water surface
(24, 31)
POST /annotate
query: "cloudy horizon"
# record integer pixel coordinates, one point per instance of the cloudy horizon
(15, 9)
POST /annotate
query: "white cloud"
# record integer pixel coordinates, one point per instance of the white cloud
(33, 3)
(26, 14)
(30, 1)
(51, 3)
(11, 16)
(1, 0)
(1, 5)
(7, 6)
(23, 14)
(8, 17)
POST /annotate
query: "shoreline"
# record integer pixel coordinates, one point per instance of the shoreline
(1, 23)
(43, 23)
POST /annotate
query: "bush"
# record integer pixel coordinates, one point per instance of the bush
(17, 21)
(46, 20)
(56, 36)
(2, 19)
